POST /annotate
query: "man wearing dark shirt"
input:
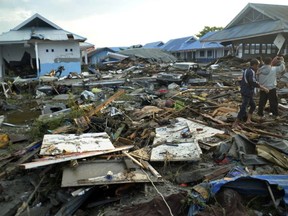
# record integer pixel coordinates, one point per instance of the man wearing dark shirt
(248, 85)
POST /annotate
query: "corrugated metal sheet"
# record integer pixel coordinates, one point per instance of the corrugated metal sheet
(190, 43)
(234, 31)
(201, 45)
(157, 44)
(246, 31)
(48, 34)
(176, 44)
(151, 54)
(275, 12)
(45, 30)
(36, 20)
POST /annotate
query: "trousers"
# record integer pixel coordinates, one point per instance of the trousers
(271, 96)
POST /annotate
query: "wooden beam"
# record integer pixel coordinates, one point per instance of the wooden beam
(105, 103)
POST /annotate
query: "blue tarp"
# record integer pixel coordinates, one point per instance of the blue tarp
(252, 184)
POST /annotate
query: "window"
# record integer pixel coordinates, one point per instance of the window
(202, 53)
(268, 48)
(274, 49)
(66, 50)
(252, 48)
(263, 48)
(209, 53)
(246, 48)
(52, 50)
(47, 50)
(71, 50)
(257, 48)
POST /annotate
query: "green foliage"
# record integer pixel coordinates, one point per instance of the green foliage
(42, 127)
(76, 111)
(208, 29)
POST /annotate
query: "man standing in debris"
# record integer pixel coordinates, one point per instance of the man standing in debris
(248, 85)
(268, 78)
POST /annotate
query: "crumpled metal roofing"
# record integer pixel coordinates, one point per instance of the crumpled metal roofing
(190, 43)
(45, 30)
(48, 34)
(149, 54)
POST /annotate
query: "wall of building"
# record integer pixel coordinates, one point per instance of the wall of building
(96, 58)
(200, 55)
(52, 55)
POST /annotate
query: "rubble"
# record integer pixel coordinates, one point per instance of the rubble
(133, 145)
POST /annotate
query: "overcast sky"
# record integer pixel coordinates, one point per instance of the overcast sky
(113, 23)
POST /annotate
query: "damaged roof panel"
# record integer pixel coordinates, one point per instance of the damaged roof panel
(176, 146)
(43, 33)
(38, 27)
(155, 55)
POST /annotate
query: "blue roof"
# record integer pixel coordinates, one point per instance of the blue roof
(116, 49)
(157, 44)
(202, 45)
(190, 43)
(178, 43)
(271, 19)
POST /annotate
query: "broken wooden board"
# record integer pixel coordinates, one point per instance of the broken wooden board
(55, 144)
(95, 173)
(64, 158)
(174, 146)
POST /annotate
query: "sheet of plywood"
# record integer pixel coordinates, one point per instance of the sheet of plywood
(95, 172)
(55, 144)
(176, 148)
(64, 158)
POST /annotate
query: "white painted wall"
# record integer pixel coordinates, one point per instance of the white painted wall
(50, 52)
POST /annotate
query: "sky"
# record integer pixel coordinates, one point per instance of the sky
(116, 23)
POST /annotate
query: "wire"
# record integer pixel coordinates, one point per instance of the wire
(158, 192)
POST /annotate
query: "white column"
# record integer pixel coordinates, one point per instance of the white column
(86, 57)
(37, 59)
(1, 64)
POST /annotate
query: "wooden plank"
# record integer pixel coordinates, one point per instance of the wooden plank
(108, 101)
(65, 158)
(133, 159)
(152, 170)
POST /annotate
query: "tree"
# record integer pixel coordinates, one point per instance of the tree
(208, 29)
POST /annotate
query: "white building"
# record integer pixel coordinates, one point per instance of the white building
(37, 46)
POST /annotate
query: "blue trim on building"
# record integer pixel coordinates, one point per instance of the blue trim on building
(69, 67)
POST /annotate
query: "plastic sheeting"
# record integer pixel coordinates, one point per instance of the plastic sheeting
(252, 184)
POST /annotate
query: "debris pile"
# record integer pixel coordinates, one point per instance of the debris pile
(131, 145)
